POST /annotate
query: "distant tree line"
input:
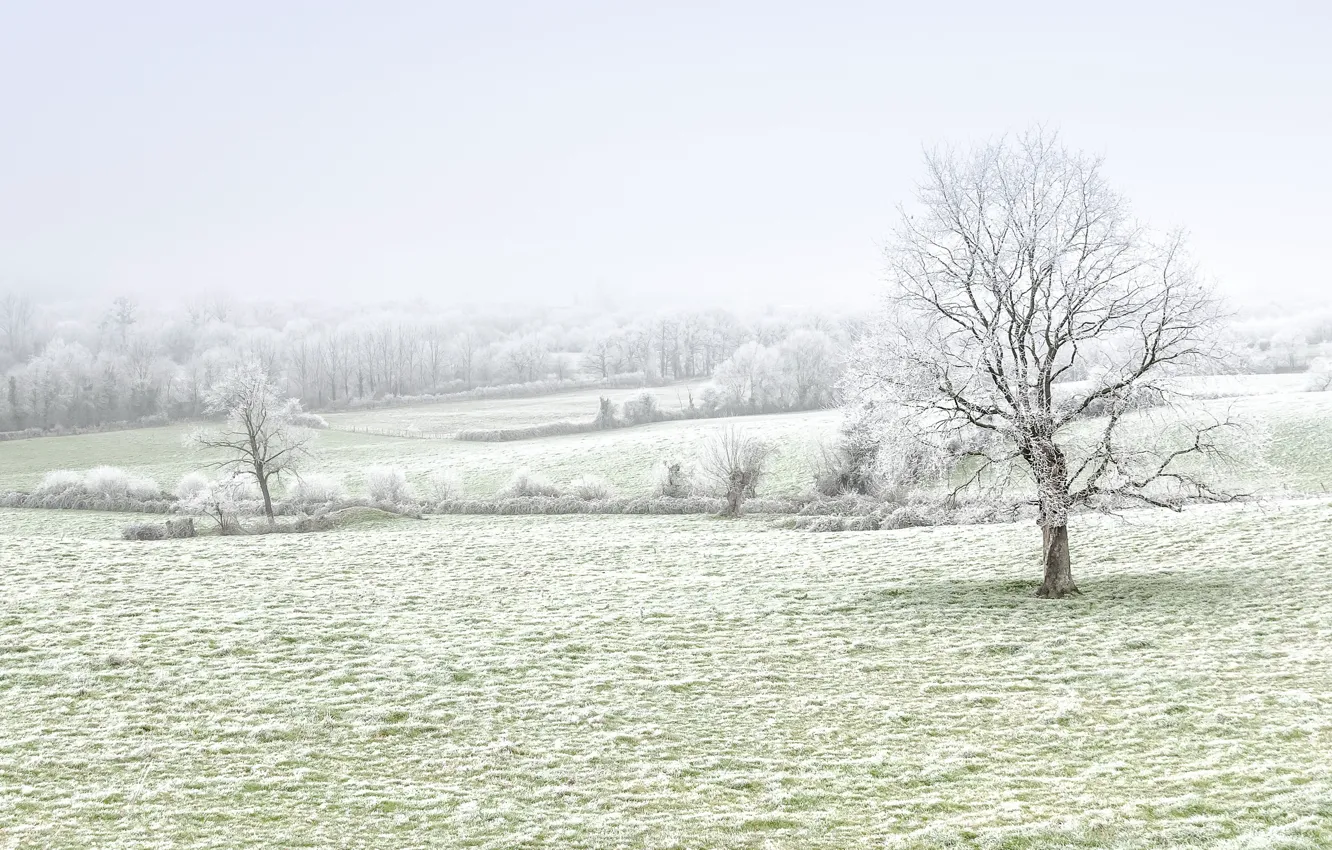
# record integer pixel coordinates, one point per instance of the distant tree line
(80, 366)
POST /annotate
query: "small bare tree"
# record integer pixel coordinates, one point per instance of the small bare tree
(1021, 271)
(259, 436)
(221, 500)
(735, 463)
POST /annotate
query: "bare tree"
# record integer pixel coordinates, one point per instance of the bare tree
(16, 324)
(598, 357)
(465, 347)
(124, 312)
(435, 338)
(809, 358)
(735, 463)
(259, 437)
(1021, 269)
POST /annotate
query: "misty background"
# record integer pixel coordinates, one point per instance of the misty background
(731, 154)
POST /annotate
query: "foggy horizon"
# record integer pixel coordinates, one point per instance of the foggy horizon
(750, 156)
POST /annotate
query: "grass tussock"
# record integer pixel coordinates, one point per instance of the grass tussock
(526, 484)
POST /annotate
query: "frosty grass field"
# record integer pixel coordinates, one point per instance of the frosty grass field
(665, 681)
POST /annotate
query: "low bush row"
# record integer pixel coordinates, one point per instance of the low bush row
(524, 505)
(154, 421)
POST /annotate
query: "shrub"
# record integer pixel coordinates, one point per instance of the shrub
(317, 489)
(104, 483)
(672, 479)
(190, 485)
(904, 517)
(180, 528)
(60, 481)
(591, 487)
(526, 483)
(849, 467)
(641, 410)
(388, 484)
(111, 482)
(605, 413)
(224, 500)
(445, 485)
(144, 531)
(305, 419)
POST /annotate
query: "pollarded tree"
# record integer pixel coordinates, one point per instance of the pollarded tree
(260, 437)
(734, 463)
(1020, 271)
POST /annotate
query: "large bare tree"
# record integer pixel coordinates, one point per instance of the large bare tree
(1030, 321)
(259, 436)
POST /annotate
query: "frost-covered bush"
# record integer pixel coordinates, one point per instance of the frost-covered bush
(224, 500)
(846, 468)
(144, 531)
(60, 481)
(180, 528)
(444, 485)
(388, 484)
(313, 421)
(672, 479)
(904, 516)
(641, 410)
(591, 487)
(317, 489)
(112, 482)
(548, 505)
(105, 484)
(847, 504)
(190, 485)
(526, 483)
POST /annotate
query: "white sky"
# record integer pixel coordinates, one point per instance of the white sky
(730, 152)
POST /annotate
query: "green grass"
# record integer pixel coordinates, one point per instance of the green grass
(668, 682)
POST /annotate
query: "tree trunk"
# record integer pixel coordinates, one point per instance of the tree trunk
(735, 494)
(268, 500)
(1058, 565)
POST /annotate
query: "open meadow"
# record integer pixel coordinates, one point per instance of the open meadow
(624, 456)
(574, 406)
(618, 681)
(593, 682)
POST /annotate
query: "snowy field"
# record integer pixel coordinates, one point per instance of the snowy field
(1296, 460)
(668, 682)
(625, 456)
(452, 416)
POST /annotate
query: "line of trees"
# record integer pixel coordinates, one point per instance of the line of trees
(87, 365)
